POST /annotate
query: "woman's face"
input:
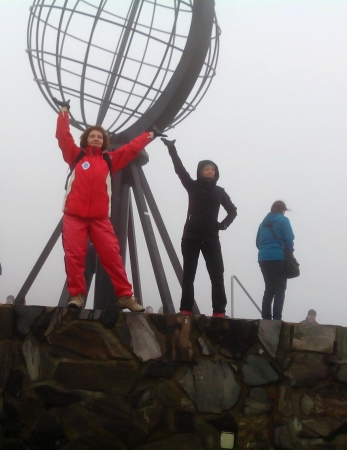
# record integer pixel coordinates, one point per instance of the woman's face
(208, 171)
(95, 138)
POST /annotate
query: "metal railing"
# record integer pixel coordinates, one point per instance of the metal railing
(234, 277)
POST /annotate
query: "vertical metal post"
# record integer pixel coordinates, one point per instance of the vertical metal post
(152, 246)
(135, 270)
(232, 311)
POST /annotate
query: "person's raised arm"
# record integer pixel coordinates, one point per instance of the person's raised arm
(230, 208)
(183, 175)
(65, 140)
(123, 155)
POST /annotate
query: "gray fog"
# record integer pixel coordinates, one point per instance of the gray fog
(273, 120)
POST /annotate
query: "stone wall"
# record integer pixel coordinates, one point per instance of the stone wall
(99, 380)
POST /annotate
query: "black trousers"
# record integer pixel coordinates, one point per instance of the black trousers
(274, 273)
(212, 253)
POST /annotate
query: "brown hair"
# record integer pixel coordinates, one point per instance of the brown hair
(279, 206)
(85, 134)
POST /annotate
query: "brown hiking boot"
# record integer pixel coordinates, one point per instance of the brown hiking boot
(130, 303)
(77, 301)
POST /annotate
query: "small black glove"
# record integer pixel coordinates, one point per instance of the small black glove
(157, 133)
(169, 144)
(221, 226)
(62, 103)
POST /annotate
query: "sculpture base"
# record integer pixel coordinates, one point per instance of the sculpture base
(94, 379)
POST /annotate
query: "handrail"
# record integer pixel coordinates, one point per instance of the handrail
(245, 291)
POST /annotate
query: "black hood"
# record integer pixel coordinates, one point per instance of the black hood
(204, 163)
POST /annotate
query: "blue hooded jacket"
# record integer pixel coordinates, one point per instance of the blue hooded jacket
(269, 248)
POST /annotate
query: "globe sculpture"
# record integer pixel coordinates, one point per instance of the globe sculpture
(129, 66)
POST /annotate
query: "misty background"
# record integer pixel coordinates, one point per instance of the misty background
(273, 120)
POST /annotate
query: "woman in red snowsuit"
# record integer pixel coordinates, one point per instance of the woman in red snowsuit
(87, 208)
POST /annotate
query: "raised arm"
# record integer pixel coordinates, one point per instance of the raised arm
(122, 156)
(183, 175)
(230, 209)
(65, 140)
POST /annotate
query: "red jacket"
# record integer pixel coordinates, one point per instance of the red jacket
(88, 193)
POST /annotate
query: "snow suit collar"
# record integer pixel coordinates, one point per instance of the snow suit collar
(92, 150)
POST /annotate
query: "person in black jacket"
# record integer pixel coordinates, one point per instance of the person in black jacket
(201, 230)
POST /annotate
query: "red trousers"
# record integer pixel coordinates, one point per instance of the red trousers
(75, 237)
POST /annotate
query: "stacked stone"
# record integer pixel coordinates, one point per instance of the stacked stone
(78, 380)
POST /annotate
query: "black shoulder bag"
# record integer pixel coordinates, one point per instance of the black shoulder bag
(292, 265)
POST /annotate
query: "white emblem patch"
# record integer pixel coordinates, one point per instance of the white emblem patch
(85, 165)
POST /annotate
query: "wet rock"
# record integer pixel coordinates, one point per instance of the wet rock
(187, 383)
(38, 365)
(225, 422)
(54, 350)
(257, 402)
(142, 398)
(159, 321)
(88, 339)
(119, 377)
(12, 422)
(14, 386)
(234, 337)
(202, 322)
(25, 317)
(114, 414)
(269, 334)
(143, 340)
(212, 386)
(184, 421)
(51, 320)
(53, 397)
(13, 444)
(307, 370)
(47, 433)
(5, 362)
(257, 371)
(154, 416)
(323, 427)
(77, 417)
(253, 433)
(107, 318)
(315, 338)
(341, 343)
(168, 393)
(124, 334)
(285, 402)
(206, 348)
(96, 441)
(187, 441)
(283, 438)
(160, 369)
(341, 374)
(6, 322)
(329, 401)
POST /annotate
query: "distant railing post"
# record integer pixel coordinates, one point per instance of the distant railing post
(232, 312)
(244, 289)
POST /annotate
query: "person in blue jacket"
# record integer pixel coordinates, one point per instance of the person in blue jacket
(271, 258)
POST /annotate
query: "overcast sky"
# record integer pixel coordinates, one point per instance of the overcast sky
(274, 120)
